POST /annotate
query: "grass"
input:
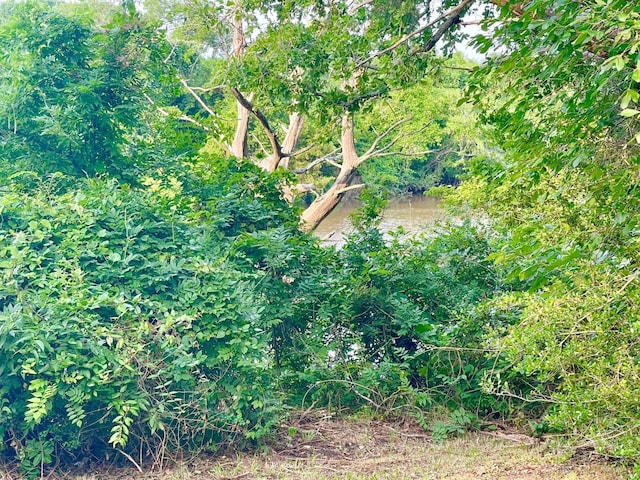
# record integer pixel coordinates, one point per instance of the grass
(329, 449)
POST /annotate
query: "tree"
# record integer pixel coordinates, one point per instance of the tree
(562, 101)
(72, 91)
(329, 61)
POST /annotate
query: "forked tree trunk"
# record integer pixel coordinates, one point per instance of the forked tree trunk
(322, 206)
(275, 160)
(296, 122)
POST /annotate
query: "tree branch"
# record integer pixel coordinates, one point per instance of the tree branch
(364, 96)
(330, 158)
(444, 28)
(382, 136)
(379, 154)
(273, 137)
(464, 69)
(349, 188)
(354, 8)
(299, 152)
(184, 117)
(453, 13)
(197, 97)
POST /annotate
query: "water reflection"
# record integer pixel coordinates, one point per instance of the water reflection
(413, 212)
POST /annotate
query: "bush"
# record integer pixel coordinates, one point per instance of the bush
(123, 327)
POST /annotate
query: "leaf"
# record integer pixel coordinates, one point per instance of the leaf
(629, 112)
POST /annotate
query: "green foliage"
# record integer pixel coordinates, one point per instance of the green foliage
(458, 423)
(73, 91)
(401, 326)
(124, 326)
(565, 195)
(435, 138)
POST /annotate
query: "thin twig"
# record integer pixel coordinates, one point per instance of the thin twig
(130, 459)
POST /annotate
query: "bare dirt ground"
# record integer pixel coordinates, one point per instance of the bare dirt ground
(329, 449)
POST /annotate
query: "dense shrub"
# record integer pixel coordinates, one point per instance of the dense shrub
(122, 326)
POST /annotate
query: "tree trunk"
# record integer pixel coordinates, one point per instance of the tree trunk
(296, 122)
(239, 147)
(322, 206)
(273, 161)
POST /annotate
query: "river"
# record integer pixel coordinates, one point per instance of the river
(412, 212)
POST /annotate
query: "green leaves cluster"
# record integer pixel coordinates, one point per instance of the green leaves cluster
(123, 326)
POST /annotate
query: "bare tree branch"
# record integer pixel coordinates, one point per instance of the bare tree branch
(184, 117)
(381, 137)
(351, 187)
(197, 97)
(379, 154)
(329, 158)
(301, 151)
(209, 89)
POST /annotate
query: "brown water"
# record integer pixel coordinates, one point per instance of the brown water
(414, 213)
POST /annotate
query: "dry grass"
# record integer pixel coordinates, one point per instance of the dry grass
(327, 449)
